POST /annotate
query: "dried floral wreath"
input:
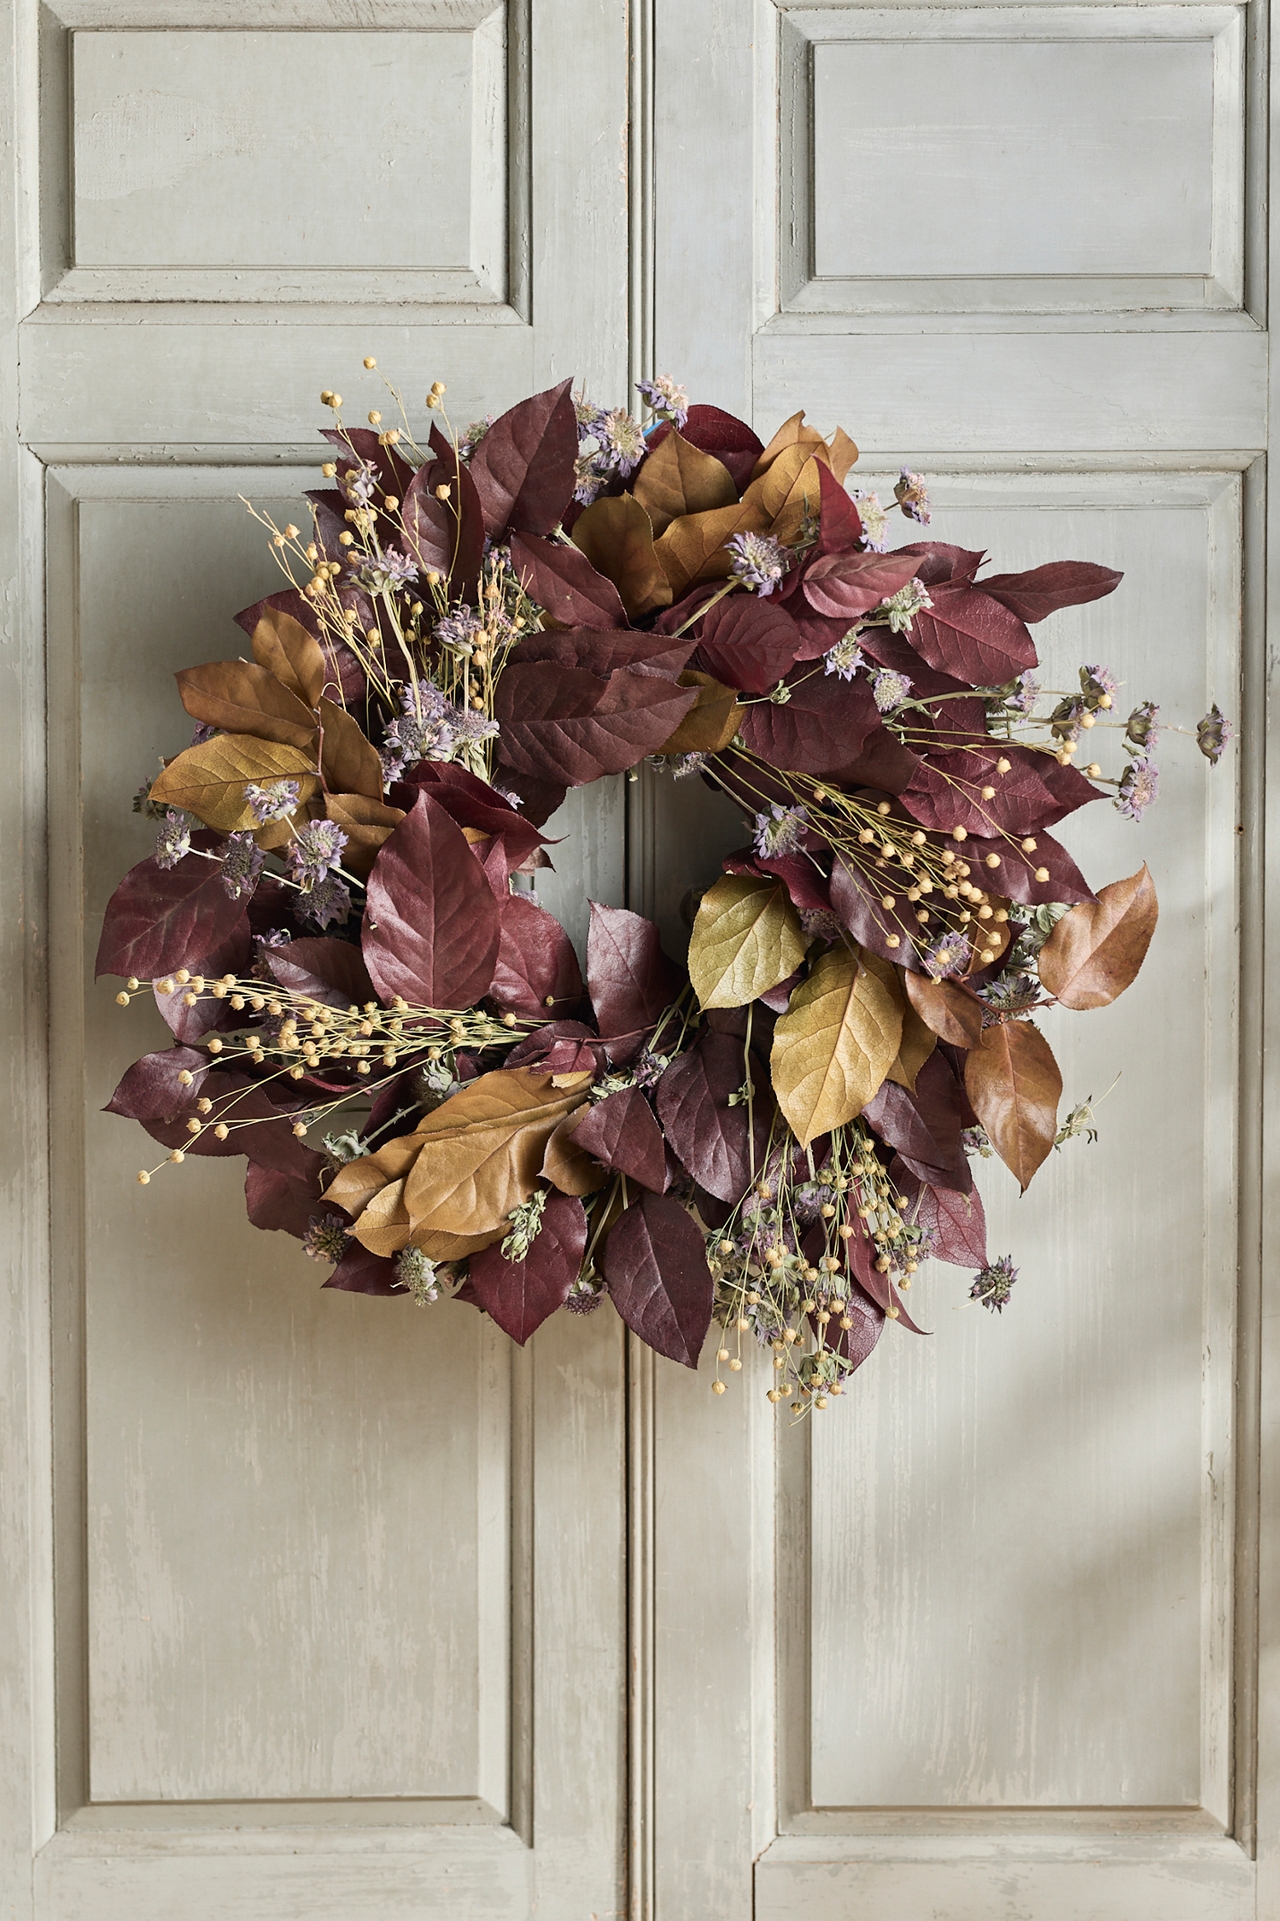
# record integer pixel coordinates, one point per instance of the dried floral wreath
(336, 927)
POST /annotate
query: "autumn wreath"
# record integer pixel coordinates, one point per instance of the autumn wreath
(338, 927)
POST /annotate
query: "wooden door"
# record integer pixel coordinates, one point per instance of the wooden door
(313, 1605)
(987, 1637)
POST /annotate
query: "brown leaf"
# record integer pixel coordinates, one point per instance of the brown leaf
(710, 723)
(383, 1225)
(616, 536)
(792, 433)
(242, 698)
(954, 1015)
(746, 939)
(366, 824)
(482, 1150)
(800, 505)
(455, 1247)
(693, 548)
(568, 1166)
(209, 780)
(1013, 1082)
(1095, 951)
(283, 646)
(918, 1042)
(349, 762)
(678, 479)
(842, 452)
(834, 1045)
(772, 489)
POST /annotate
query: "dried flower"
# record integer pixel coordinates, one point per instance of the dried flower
(201, 733)
(1139, 785)
(174, 838)
(582, 1298)
(327, 903)
(665, 398)
(314, 853)
(820, 923)
(1213, 733)
(459, 629)
(1141, 726)
(620, 443)
(911, 492)
(242, 861)
(900, 609)
(474, 434)
(778, 830)
(949, 954)
(890, 690)
(758, 560)
(419, 1274)
(1026, 692)
(271, 800)
(974, 1141)
(875, 521)
(382, 573)
(526, 1222)
(846, 657)
(357, 481)
(327, 1237)
(1096, 682)
(682, 765)
(993, 1284)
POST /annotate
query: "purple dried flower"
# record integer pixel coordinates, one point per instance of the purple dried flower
(357, 480)
(381, 573)
(242, 861)
(620, 443)
(911, 492)
(682, 765)
(778, 830)
(1139, 785)
(203, 732)
(759, 561)
(174, 838)
(1141, 726)
(948, 955)
(327, 1237)
(820, 923)
(846, 657)
(890, 690)
(459, 629)
(474, 434)
(875, 522)
(1213, 733)
(327, 903)
(992, 1285)
(271, 800)
(665, 398)
(315, 852)
(1027, 694)
(583, 1300)
(1097, 681)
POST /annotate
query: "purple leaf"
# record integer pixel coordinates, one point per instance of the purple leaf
(431, 927)
(839, 522)
(940, 562)
(151, 1090)
(968, 634)
(946, 789)
(603, 650)
(1042, 590)
(829, 726)
(237, 1099)
(561, 1047)
(161, 918)
(955, 1222)
(630, 979)
(329, 970)
(749, 643)
(283, 1202)
(472, 802)
(524, 467)
(1016, 874)
(360, 1272)
(844, 585)
(655, 1265)
(445, 536)
(925, 1126)
(231, 956)
(855, 1344)
(519, 1295)
(624, 1136)
(564, 724)
(857, 899)
(712, 1139)
(536, 967)
(562, 580)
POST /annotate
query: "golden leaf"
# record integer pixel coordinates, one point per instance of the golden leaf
(678, 479)
(792, 433)
(283, 646)
(616, 536)
(568, 1166)
(693, 548)
(951, 1012)
(710, 723)
(482, 1149)
(801, 504)
(383, 1226)
(348, 760)
(835, 1044)
(1095, 951)
(242, 698)
(209, 780)
(842, 452)
(455, 1247)
(366, 824)
(773, 488)
(918, 1042)
(746, 939)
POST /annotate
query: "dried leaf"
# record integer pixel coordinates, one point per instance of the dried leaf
(679, 478)
(918, 1043)
(954, 1015)
(655, 1265)
(367, 824)
(161, 918)
(284, 648)
(523, 469)
(482, 1150)
(537, 968)
(564, 724)
(1095, 951)
(242, 698)
(563, 581)
(710, 723)
(519, 1295)
(567, 1165)
(630, 979)
(746, 938)
(617, 538)
(720, 1138)
(1042, 590)
(748, 643)
(967, 633)
(431, 927)
(694, 548)
(623, 1135)
(1015, 1086)
(348, 761)
(721, 434)
(795, 432)
(843, 454)
(834, 1045)
(802, 502)
(209, 780)
(328, 969)
(383, 1226)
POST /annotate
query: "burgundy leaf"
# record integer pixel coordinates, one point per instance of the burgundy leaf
(749, 643)
(946, 790)
(519, 1295)
(562, 580)
(804, 881)
(859, 902)
(361, 444)
(925, 1126)
(655, 1265)
(151, 1090)
(561, 1047)
(1016, 874)
(711, 1138)
(940, 562)
(537, 967)
(472, 802)
(343, 670)
(954, 1223)
(564, 724)
(829, 726)
(524, 467)
(839, 522)
(539, 799)
(360, 1272)
(231, 956)
(283, 1202)
(878, 1288)
(729, 439)
(968, 634)
(630, 979)
(431, 928)
(445, 535)
(603, 650)
(1042, 590)
(623, 1135)
(854, 1345)
(844, 585)
(237, 1099)
(327, 969)
(161, 918)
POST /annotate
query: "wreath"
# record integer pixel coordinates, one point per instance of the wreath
(367, 999)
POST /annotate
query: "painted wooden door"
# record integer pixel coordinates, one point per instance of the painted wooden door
(313, 1605)
(988, 1638)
